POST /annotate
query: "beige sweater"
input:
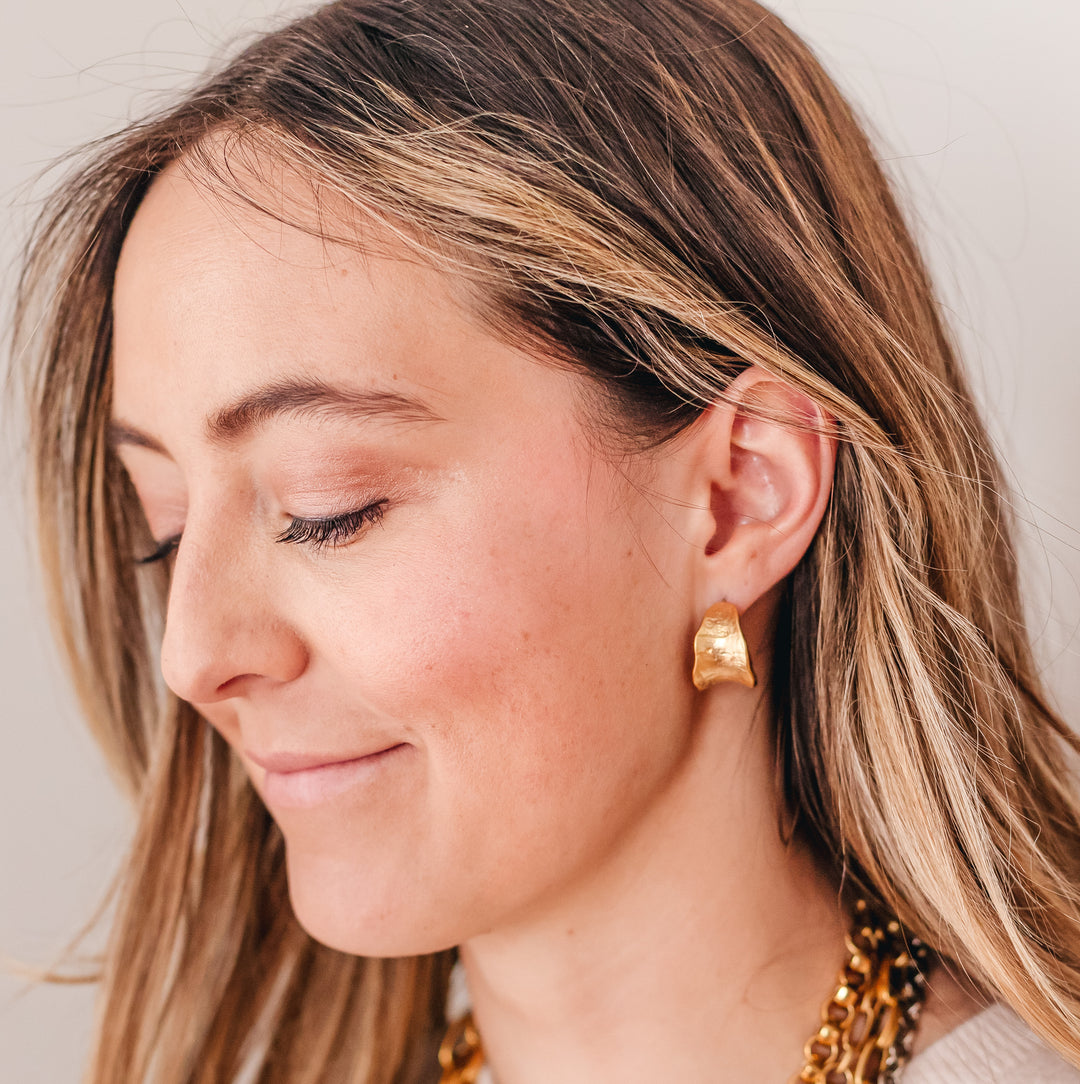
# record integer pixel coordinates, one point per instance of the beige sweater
(993, 1047)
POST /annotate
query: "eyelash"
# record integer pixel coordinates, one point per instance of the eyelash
(331, 531)
(165, 549)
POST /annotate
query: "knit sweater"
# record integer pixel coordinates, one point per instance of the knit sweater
(994, 1047)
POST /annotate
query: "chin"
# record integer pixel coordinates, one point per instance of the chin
(351, 913)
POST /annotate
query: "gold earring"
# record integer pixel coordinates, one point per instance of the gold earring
(720, 652)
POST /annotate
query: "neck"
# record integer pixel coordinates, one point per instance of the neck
(701, 948)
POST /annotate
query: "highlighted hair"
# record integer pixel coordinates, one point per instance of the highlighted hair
(659, 192)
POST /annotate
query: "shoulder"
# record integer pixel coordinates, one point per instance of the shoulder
(993, 1047)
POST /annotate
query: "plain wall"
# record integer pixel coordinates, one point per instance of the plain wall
(976, 102)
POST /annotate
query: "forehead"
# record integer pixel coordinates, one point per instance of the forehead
(215, 294)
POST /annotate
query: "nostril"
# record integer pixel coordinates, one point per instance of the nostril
(235, 686)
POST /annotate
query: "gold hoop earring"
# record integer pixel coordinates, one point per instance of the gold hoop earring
(720, 652)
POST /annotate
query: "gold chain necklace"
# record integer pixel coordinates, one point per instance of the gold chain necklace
(867, 1025)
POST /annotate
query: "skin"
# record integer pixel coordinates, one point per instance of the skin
(512, 638)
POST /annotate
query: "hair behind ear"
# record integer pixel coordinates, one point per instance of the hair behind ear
(917, 753)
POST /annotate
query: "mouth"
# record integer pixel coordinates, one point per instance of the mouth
(301, 782)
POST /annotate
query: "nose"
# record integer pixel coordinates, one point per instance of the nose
(225, 633)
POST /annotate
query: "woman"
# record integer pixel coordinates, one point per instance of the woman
(527, 433)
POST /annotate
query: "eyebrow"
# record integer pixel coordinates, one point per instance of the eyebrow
(294, 398)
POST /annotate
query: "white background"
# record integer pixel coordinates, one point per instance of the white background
(976, 105)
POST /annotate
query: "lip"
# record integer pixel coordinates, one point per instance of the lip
(301, 781)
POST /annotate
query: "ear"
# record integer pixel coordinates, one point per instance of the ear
(765, 467)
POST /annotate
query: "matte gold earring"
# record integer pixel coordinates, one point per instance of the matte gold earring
(720, 652)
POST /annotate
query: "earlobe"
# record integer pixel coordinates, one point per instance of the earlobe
(771, 467)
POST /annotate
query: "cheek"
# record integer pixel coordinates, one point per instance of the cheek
(543, 657)
(535, 659)
(532, 616)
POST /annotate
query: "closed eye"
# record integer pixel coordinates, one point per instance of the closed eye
(166, 548)
(332, 531)
(318, 533)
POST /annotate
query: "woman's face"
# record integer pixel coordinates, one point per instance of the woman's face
(448, 638)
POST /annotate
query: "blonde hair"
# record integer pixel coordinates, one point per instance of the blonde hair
(658, 192)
